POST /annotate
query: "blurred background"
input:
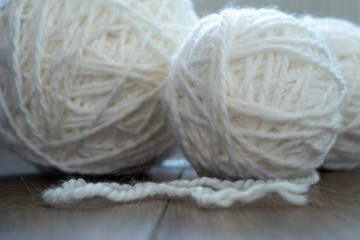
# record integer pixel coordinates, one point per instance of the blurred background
(346, 9)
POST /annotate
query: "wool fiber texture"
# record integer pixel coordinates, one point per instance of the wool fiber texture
(81, 80)
(343, 40)
(254, 94)
(254, 101)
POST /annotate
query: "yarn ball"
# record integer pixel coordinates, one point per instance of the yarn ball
(81, 80)
(343, 40)
(253, 93)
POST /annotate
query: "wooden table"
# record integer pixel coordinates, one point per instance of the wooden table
(333, 212)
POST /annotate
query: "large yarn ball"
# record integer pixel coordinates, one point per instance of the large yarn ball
(81, 80)
(253, 94)
(343, 40)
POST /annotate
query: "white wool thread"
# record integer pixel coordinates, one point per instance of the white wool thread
(343, 40)
(81, 80)
(206, 192)
(252, 94)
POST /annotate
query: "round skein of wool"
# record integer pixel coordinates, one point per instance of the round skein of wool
(343, 40)
(81, 80)
(254, 101)
(254, 94)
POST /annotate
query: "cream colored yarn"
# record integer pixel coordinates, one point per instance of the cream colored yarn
(81, 80)
(343, 40)
(253, 94)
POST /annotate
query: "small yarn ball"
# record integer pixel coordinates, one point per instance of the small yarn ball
(81, 80)
(343, 40)
(253, 93)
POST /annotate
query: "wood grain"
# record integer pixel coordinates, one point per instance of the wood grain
(24, 216)
(332, 213)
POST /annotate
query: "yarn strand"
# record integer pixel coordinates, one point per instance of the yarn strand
(82, 81)
(205, 191)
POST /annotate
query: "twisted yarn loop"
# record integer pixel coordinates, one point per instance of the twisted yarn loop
(206, 192)
(251, 94)
(81, 80)
(343, 40)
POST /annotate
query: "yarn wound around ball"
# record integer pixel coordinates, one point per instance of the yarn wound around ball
(81, 81)
(254, 94)
(253, 99)
(343, 40)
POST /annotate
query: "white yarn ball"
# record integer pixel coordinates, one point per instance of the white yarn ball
(254, 94)
(343, 40)
(81, 80)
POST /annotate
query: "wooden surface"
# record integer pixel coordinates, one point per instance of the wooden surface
(332, 213)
